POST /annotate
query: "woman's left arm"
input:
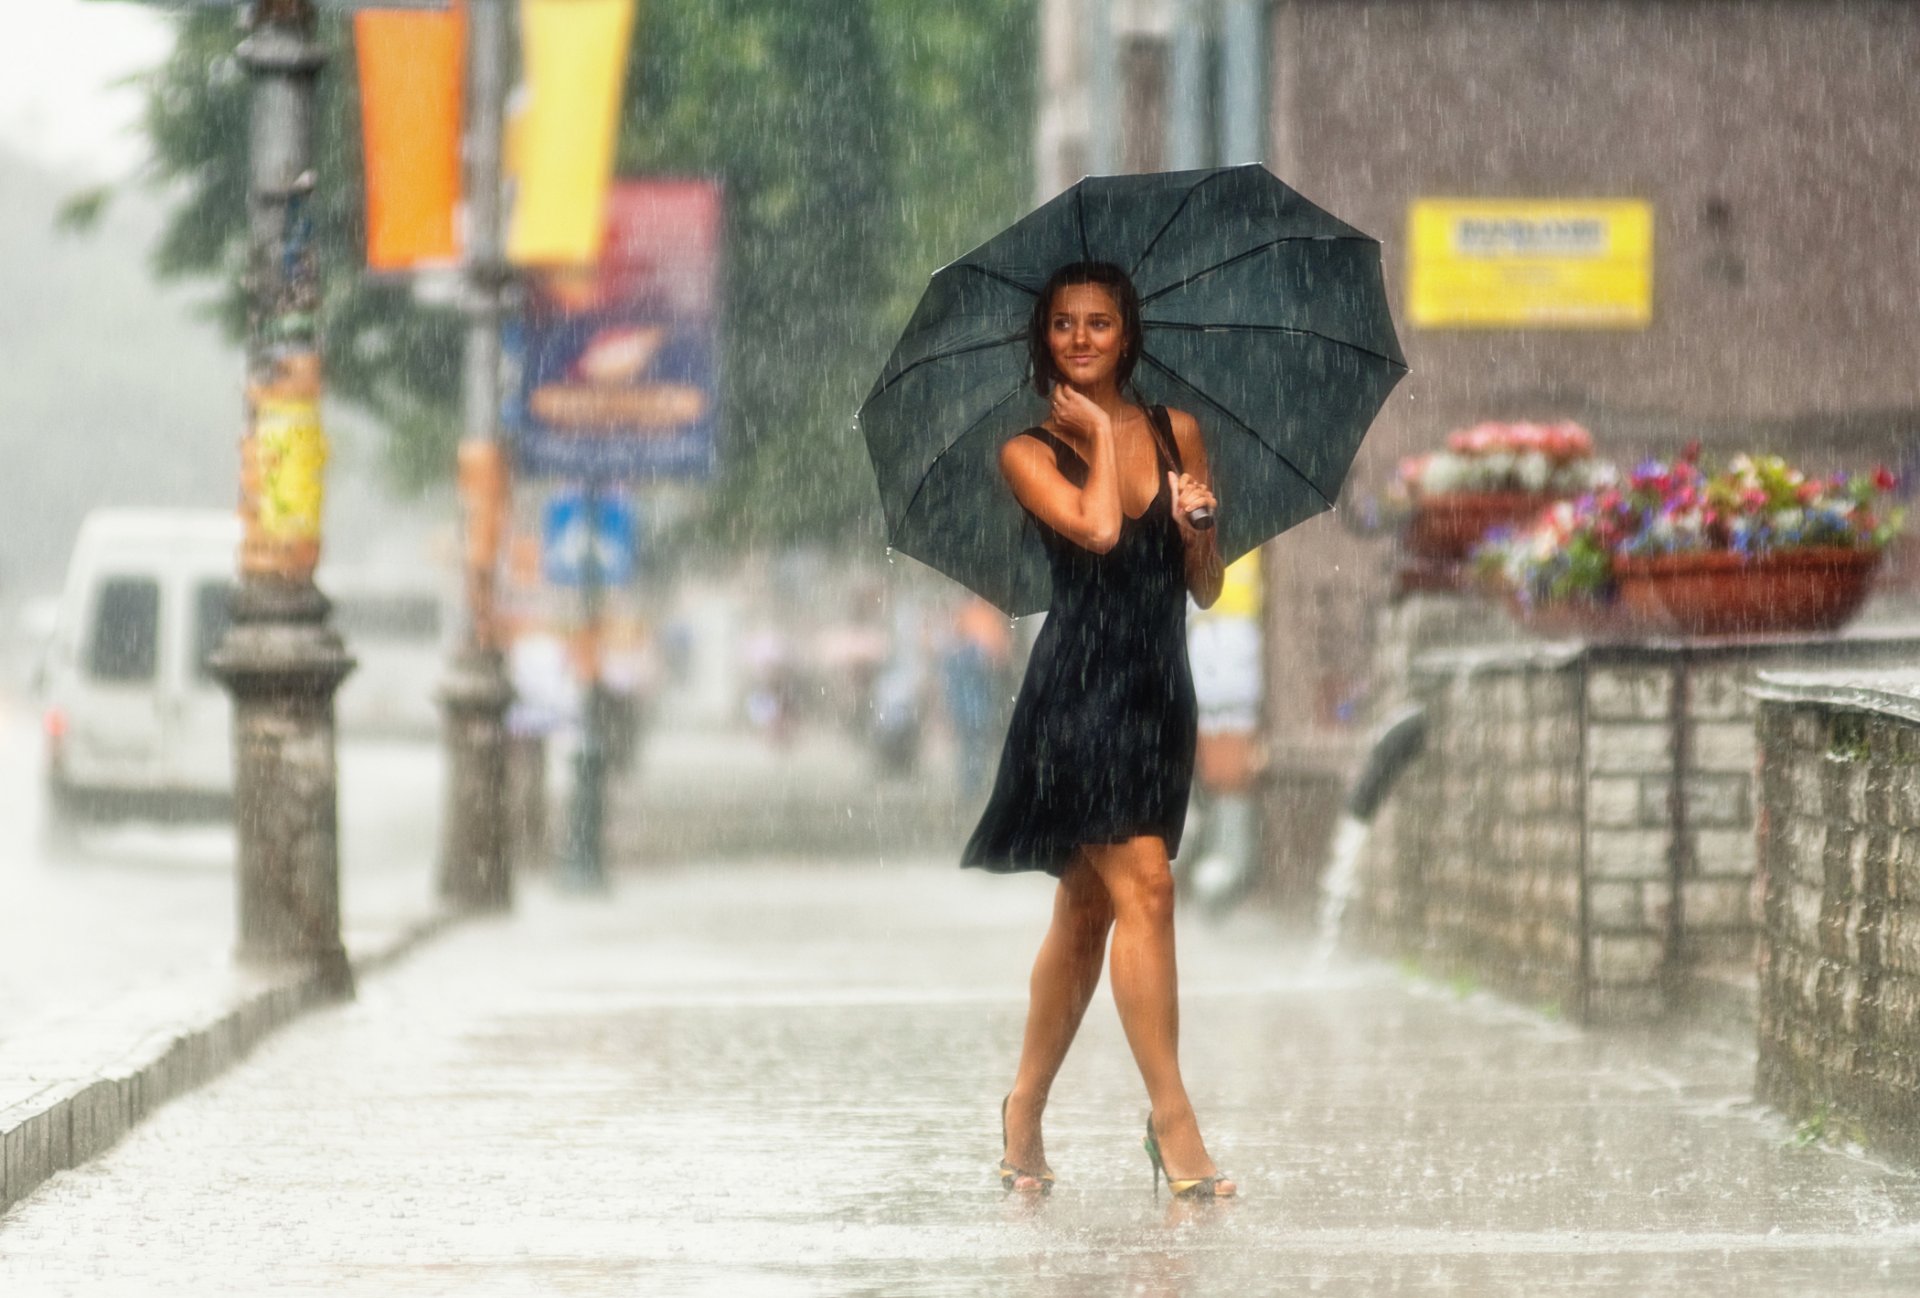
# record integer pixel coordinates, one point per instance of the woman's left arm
(1193, 490)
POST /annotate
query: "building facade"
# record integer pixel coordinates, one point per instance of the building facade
(1771, 298)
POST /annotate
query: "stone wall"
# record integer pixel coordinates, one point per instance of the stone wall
(1580, 829)
(1839, 962)
(1486, 874)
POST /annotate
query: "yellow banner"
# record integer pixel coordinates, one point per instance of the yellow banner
(574, 55)
(1513, 263)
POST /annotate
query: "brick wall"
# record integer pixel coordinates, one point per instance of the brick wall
(1840, 864)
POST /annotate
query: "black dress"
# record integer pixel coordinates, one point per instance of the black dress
(1100, 748)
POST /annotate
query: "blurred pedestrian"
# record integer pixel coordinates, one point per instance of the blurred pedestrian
(630, 674)
(1223, 647)
(976, 658)
(1094, 779)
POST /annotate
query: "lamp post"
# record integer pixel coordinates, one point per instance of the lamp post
(280, 659)
(475, 865)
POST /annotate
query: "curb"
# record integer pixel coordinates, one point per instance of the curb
(70, 1121)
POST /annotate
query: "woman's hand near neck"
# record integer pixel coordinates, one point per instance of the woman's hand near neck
(1089, 426)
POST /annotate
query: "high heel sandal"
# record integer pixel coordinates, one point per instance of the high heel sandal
(1200, 1187)
(1009, 1174)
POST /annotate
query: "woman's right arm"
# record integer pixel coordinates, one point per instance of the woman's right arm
(1088, 516)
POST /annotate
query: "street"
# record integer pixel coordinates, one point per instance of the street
(134, 905)
(782, 1079)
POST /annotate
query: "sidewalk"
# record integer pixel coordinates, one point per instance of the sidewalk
(705, 793)
(117, 984)
(781, 1079)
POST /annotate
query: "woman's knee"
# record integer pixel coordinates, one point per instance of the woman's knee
(1140, 882)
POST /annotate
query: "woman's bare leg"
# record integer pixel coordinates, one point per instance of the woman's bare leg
(1139, 883)
(1065, 974)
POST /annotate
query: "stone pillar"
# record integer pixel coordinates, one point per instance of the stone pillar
(282, 665)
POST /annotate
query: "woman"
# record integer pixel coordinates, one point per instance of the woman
(1092, 785)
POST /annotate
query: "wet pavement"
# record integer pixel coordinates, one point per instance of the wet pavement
(84, 926)
(782, 1079)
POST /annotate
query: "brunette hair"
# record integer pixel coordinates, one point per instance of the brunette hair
(1107, 276)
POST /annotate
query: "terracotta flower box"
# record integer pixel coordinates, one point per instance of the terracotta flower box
(1721, 593)
(1449, 525)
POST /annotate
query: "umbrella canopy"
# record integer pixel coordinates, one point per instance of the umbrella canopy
(1264, 318)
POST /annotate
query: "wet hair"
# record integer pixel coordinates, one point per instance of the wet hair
(1106, 275)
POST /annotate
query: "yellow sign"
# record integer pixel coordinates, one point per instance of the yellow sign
(1510, 263)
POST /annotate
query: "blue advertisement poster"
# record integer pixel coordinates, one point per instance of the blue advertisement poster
(613, 371)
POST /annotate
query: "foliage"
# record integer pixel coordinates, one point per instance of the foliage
(1756, 505)
(1826, 1126)
(861, 143)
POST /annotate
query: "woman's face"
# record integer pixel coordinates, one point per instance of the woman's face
(1085, 334)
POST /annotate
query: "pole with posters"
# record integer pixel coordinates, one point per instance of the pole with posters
(280, 659)
(475, 867)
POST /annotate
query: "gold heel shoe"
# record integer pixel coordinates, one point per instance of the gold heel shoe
(1009, 1174)
(1200, 1187)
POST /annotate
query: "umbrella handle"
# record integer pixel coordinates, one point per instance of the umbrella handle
(1201, 519)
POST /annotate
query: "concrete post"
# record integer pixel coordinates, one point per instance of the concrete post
(1243, 108)
(280, 659)
(1102, 54)
(475, 859)
(1187, 99)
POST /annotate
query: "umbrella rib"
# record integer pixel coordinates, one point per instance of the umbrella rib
(1182, 326)
(1080, 218)
(1166, 225)
(996, 275)
(942, 356)
(1254, 252)
(959, 437)
(1208, 397)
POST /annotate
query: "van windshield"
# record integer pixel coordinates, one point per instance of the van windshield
(125, 645)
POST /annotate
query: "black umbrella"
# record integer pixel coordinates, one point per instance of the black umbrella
(1265, 318)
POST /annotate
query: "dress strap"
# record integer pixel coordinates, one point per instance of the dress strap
(1162, 425)
(1065, 458)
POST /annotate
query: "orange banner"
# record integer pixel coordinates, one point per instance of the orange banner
(411, 80)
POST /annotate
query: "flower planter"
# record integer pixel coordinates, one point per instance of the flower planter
(1447, 526)
(1720, 593)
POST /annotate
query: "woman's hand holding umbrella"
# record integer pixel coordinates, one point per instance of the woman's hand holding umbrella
(1193, 506)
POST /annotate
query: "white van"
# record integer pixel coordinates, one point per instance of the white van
(398, 627)
(136, 724)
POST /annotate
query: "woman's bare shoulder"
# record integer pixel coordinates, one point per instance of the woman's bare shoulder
(1029, 445)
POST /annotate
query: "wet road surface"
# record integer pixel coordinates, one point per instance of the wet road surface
(782, 1079)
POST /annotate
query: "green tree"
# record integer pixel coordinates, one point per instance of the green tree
(860, 143)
